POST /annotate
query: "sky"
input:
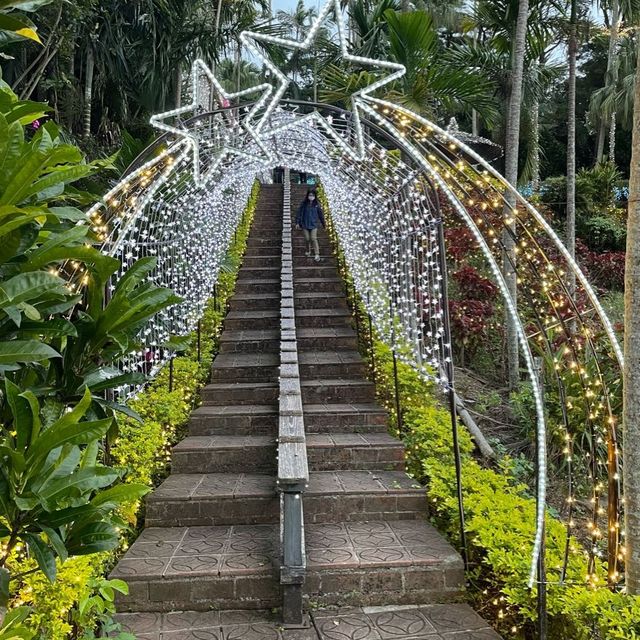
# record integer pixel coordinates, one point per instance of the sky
(286, 5)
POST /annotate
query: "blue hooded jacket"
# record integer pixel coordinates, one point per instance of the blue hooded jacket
(309, 214)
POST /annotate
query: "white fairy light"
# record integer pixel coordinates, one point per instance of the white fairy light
(194, 141)
(397, 71)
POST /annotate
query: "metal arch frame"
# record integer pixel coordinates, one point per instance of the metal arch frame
(394, 138)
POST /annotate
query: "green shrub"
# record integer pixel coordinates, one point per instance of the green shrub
(70, 607)
(500, 520)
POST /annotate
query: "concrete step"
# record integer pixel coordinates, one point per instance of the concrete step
(252, 319)
(326, 452)
(335, 391)
(254, 273)
(258, 286)
(254, 302)
(334, 338)
(198, 569)
(224, 454)
(262, 261)
(355, 563)
(315, 270)
(241, 419)
(316, 285)
(240, 393)
(345, 418)
(423, 622)
(399, 562)
(336, 317)
(212, 499)
(331, 364)
(250, 341)
(320, 300)
(245, 367)
(264, 250)
(355, 451)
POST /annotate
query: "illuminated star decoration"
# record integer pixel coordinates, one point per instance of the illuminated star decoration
(397, 71)
(221, 137)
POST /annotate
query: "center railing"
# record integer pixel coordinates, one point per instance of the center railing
(293, 469)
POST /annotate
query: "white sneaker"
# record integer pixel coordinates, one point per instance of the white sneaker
(317, 258)
(308, 254)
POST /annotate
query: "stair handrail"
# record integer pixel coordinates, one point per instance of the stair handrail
(293, 468)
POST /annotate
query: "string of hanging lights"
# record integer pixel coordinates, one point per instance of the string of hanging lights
(388, 175)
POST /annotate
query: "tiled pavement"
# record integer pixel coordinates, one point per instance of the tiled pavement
(206, 567)
(412, 622)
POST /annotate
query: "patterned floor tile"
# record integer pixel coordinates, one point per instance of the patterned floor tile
(140, 623)
(184, 620)
(192, 566)
(354, 627)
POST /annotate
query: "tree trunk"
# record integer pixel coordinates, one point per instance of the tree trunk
(512, 140)
(571, 144)
(611, 76)
(238, 66)
(631, 375)
(535, 142)
(88, 94)
(177, 78)
(217, 26)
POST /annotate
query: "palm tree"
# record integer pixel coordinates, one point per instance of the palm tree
(512, 140)
(570, 239)
(491, 55)
(631, 387)
(433, 85)
(621, 11)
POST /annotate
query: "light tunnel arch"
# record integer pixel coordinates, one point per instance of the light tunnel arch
(386, 211)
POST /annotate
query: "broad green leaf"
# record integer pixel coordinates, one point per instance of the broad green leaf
(25, 112)
(123, 493)
(14, 314)
(58, 464)
(20, 221)
(55, 328)
(24, 5)
(120, 408)
(78, 484)
(12, 151)
(68, 213)
(60, 434)
(6, 506)
(43, 555)
(22, 417)
(95, 260)
(20, 178)
(14, 459)
(69, 237)
(4, 136)
(178, 343)
(57, 177)
(19, 27)
(26, 287)
(5, 578)
(14, 351)
(56, 542)
(30, 311)
(92, 538)
(98, 381)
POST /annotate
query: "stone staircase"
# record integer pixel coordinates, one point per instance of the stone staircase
(206, 564)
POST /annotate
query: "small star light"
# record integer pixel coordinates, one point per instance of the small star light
(397, 71)
(223, 138)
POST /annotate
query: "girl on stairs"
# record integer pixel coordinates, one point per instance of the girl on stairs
(309, 216)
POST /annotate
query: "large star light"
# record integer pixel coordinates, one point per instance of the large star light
(397, 70)
(221, 138)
